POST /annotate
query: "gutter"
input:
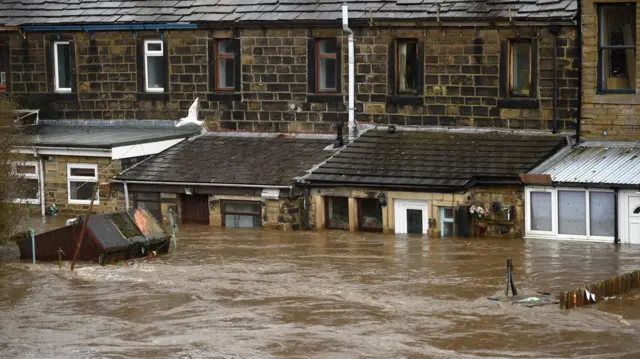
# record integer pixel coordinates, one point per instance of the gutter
(352, 102)
(197, 184)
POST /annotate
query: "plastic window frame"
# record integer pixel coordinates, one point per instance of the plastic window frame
(35, 176)
(86, 179)
(151, 53)
(56, 71)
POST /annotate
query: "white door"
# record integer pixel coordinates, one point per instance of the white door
(411, 216)
(634, 219)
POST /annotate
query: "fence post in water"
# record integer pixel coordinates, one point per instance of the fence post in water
(33, 245)
(173, 232)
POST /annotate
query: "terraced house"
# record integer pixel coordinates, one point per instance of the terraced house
(398, 74)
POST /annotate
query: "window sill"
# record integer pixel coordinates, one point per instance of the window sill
(82, 202)
(333, 98)
(415, 100)
(224, 96)
(616, 98)
(152, 96)
(518, 103)
(61, 96)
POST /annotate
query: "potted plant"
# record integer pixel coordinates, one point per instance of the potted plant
(479, 214)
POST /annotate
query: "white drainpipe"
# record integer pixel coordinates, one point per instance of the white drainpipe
(352, 100)
(126, 196)
(41, 180)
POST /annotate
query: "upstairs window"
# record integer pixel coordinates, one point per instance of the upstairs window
(81, 179)
(406, 71)
(520, 68)
(226, 65)
(62, 66)
(407, 66)
(4, 67)
(327, 66)
(154, 66)
(617, 48)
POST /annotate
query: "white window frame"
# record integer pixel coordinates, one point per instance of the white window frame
(553, 234)
(35, 176)
(71, 178)
(151, 53)
(56, 80)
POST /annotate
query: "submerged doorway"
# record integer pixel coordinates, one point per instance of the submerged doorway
(411, 216)
(195, 209)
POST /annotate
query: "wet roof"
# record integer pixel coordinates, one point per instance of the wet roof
(435, 159)
(233, 159)
(600, 164)
(37, 12)
(105, 134)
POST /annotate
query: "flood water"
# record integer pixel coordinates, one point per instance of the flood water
(270, 294)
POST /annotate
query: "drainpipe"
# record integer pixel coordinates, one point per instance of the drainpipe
(352, 102)
(616, 239)
(554, 30)
(41, 179)
(126, 196)
(579, 110)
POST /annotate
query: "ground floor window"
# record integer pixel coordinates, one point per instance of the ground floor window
(570, 213)
(370, 215)
(29, 187)
(149, 201)
(337, 212)
(446, 220)
(81, 180)
(241, 214)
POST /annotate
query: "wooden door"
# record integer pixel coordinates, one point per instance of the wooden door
(195, 209)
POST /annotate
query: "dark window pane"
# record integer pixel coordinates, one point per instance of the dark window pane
(155, 72)
(448, 213)
(617, 68)
(337, 212)
(407, 72)
(83, 172)
(241, 221)
(572, 213)
(414, 221)
(602, 213)
(64, 66)
(371, 214)
(521, 69)
(328, 74)
(227, 47)
(447, 229)
(81, 190)
(541, 217)
(248, 207)
(227, 72)
(148, 196)
(328, 46)
(3, 67)
(30, 189)
(154, 46)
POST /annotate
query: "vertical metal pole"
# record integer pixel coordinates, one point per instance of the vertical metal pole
(41, 180)
(33, 245)
(126, 197)
(173, 233)
(84, 227)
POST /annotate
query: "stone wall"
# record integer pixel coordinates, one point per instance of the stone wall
(276, 214)
(56, 190)
(461, 78)
(605, 116)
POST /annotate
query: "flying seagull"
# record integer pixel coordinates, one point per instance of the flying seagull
(192, 116)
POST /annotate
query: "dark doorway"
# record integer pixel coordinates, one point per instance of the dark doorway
(414, 221)
(195, 209)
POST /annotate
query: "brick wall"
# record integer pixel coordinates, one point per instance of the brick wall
(461, 79)
(56, 191)
(613, 114)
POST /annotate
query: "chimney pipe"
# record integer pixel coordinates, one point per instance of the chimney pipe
(339, 142)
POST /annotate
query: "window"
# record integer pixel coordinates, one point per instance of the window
(520, 62)
(617, 48)
(407, 65)
(327, 66)
(29, 190)
(446, 219)
(154, 66)
(62, 66)
(237, 214)
(226, 65)
(370, 215)
(4, 67)
(337, 212)
(81, 180)
(570, 213)
(149, 201)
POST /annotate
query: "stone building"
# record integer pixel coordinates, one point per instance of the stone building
(264, 66)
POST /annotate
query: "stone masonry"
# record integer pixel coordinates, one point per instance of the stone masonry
(461, 78)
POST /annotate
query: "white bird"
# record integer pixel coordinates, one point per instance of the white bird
(192, 116)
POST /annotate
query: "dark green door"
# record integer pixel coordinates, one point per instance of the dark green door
(414, 221)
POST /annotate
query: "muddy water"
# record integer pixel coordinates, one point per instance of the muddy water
(268, 294)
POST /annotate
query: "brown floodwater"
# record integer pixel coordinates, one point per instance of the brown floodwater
(271, 294)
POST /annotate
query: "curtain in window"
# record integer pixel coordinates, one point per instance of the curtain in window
(602, 213)
(541, 211)
(402, 66)
(572, 213)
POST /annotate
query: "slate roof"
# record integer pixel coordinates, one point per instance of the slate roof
(105, 134)
(212, 158)
(435, 160)
(595, 164)
(37, 12)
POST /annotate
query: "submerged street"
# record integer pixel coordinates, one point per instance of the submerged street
(273, 294)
